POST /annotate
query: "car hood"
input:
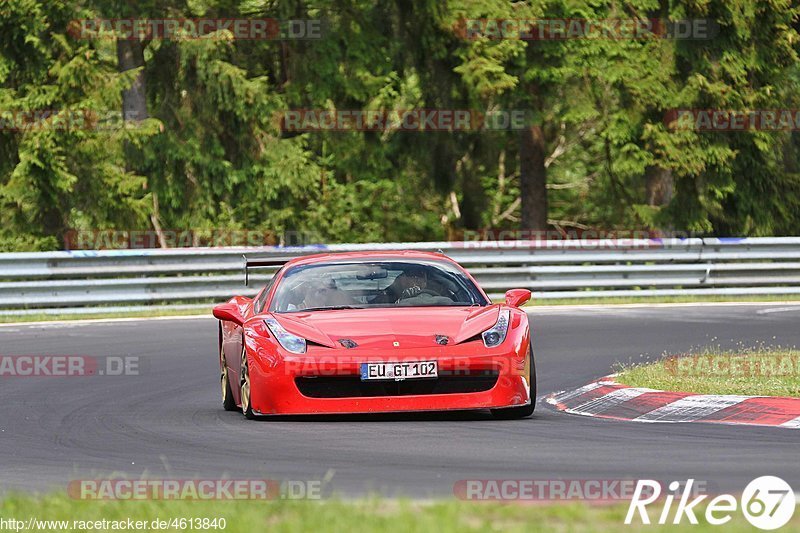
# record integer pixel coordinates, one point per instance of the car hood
(382, 327)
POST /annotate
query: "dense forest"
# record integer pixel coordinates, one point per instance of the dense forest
(102, 129)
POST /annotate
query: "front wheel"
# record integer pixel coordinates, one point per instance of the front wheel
(228, 403)
(523, 411)
(245, 386)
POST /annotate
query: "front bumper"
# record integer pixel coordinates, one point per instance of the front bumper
(498, 377)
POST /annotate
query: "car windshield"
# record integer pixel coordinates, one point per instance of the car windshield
(346, 285)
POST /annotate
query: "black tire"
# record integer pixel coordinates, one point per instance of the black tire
(245, 386)
(523, 411)
(228, 403)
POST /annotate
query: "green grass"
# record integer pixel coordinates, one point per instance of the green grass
(750, 371)
(98, 313)
(361, 515)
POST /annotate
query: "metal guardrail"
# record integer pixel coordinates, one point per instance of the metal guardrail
(69, 281)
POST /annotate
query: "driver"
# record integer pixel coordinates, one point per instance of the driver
(407, 285)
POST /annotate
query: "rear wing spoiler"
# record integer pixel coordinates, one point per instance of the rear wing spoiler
(272, 262)
(261, 262)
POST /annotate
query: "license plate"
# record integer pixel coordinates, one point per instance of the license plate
(399, 371)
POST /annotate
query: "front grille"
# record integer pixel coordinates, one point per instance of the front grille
(353, 387)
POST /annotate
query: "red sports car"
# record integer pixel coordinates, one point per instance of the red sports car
(371, 332)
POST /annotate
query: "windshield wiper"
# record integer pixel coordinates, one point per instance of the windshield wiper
(330, 308)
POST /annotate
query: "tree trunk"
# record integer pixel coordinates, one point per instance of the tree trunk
(130, 54)
(659, 185)
(533, 178)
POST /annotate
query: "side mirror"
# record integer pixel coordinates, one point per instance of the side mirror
(229, 312)
(517, 297)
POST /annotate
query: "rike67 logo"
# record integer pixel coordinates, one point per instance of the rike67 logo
(767, 502)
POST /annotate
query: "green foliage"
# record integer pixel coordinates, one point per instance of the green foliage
(212, 155)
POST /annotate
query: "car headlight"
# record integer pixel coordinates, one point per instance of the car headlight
(290, 342)
(497, 334)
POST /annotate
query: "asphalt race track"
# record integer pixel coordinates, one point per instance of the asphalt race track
(168, 422)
